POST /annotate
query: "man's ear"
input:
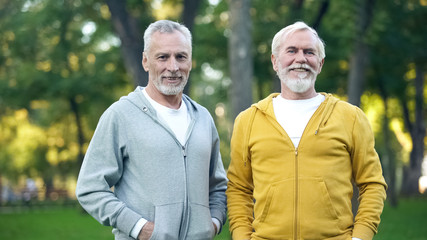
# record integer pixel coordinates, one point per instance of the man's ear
(274, 62)
(145, 61)
(321, 65)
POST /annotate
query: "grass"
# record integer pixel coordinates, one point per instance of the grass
(57, 223)
(53, 223)
(407, 221)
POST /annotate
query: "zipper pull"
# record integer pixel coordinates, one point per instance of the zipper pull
(183, 152)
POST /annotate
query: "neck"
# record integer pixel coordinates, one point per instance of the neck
(288, 94)
(170, 101)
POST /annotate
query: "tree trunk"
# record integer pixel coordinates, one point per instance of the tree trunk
(357, 69)
(320, 14)
(188, 16)
(388, 158)
(412, 173)
(80, 135)
(1, 191)
(358, 59)
(189, 13)
(241, 62)
(296, 13)
(132, 41)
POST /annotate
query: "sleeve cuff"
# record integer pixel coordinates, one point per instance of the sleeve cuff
(361, 231)
(217, 224)
(137, 228)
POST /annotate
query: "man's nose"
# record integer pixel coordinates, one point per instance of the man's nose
(172, 65)
(300, 57)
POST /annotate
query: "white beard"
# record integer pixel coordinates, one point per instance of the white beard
(301, 84)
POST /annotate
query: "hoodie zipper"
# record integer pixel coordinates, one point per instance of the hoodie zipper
(296, 196)
(186, 210)
(329, 106)
(185, 213)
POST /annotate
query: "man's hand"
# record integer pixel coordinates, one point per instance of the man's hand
(216, 229)
(146, 231)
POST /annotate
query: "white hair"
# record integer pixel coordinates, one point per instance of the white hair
(297, 26)
(165, 26)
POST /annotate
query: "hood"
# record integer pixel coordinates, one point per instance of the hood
(266, 106)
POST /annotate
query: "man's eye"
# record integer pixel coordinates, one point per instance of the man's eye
(181, 57)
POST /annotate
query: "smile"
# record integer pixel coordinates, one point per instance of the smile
(172, 78)
(299, 69)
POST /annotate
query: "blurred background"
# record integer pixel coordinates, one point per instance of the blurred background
(63, 62)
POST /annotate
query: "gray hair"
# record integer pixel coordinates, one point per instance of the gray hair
(165, 26)
(285, 32)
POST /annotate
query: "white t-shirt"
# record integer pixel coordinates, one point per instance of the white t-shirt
(177, 120)
(293, 115)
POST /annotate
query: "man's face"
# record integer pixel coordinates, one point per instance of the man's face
(298, 62)
(168, 62)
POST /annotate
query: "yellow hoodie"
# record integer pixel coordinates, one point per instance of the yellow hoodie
(277, 191)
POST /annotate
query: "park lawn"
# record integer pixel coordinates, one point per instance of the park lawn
(68, 223)
(65, 223)
(407, 221)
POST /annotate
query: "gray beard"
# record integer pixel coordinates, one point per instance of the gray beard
(170, 90)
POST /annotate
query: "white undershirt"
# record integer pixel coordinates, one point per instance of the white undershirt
(293, 115)
(176, 119)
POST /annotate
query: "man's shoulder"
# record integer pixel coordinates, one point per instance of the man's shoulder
(122, 105)
(347, 107)
(263, 105)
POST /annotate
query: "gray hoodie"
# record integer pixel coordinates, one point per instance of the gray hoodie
(135, 167)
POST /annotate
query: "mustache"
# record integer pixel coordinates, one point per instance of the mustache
(297, 66)
(173, 75)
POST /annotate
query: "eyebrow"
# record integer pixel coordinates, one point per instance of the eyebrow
(304, 49)
(168, 54)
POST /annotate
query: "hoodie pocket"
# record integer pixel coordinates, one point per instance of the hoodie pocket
(201, 226)
(167, 221)
(317, 214)
(274, 215)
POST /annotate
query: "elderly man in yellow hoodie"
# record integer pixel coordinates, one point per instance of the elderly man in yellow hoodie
(295, 155)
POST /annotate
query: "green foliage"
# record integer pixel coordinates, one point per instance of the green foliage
(396, 45)
(54, 52)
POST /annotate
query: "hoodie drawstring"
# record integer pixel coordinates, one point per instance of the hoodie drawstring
(330, 105)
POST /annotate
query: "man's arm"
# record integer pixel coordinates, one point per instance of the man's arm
(368, 176)
(240, 186)
(217, 184)
(101, 169)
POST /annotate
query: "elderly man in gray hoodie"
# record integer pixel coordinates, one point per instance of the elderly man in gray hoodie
(159, 150)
